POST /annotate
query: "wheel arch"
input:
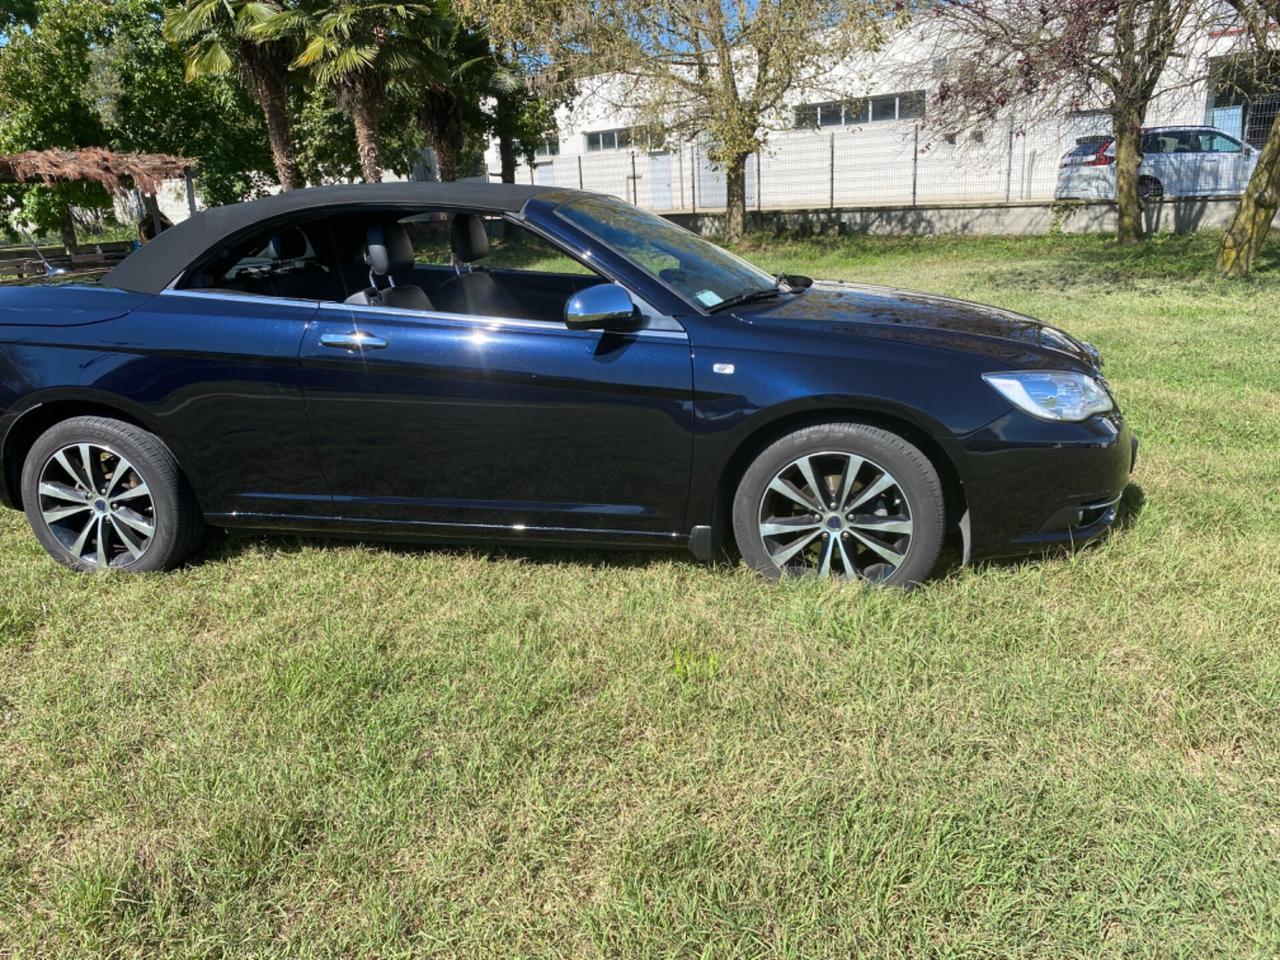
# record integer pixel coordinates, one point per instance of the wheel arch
(764, 434)
(44, 412)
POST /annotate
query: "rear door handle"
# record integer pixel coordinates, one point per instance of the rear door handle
(357, 340)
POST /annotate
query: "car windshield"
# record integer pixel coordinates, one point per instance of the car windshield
(695, 268)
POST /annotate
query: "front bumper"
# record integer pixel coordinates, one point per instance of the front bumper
(1031, 485)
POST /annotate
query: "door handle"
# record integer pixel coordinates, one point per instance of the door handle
(357, 340)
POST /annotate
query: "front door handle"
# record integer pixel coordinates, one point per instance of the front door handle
(357, 340)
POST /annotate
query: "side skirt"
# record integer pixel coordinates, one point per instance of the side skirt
(427, 531)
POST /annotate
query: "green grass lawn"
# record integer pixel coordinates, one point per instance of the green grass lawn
(312, 749)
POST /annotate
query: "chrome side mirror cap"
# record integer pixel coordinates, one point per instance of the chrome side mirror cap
(604, 305)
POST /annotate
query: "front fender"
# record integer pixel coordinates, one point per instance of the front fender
(744, 396)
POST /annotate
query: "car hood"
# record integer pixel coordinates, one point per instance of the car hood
(890, 313)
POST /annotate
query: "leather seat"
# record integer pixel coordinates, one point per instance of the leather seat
(296, 275)
(472, 291)
(389, 251)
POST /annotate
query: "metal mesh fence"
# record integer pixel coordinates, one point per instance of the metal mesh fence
(892, 164)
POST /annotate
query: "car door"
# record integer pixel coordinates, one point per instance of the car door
(483, 422)
(215, 362)
(1164, 159)
(219, 373)
(1228, 156)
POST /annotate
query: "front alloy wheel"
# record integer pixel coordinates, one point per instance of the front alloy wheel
(843, 500)
(835, 514)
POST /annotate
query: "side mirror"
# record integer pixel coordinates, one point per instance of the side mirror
(600, 306)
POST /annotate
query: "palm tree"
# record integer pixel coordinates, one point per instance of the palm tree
(218, 35)
(455, 70)
(357, 49)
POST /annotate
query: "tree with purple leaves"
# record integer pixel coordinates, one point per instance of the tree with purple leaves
(1048, 58)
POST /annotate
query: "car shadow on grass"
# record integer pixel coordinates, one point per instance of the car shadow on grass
(225, 545)
(222, 546)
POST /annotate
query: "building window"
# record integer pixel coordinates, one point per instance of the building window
(619, 139)
(911, 105)
(836, 113)
(548, 148)
(625, 138)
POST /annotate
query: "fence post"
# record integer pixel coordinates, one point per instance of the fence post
(693, 174)
(635, 185)
(1008, 179)
(680, 166)
(831, 172)
(191, 190)
(579, 171)
(915, 164)
(759, 183)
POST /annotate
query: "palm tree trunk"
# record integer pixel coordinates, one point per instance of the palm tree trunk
(362, 103)
(440, 116)
(1257, 210)
(276, 115)
(264, 67)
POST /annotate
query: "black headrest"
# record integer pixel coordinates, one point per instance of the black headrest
(467, 237)
(388, 247)
(289, 244)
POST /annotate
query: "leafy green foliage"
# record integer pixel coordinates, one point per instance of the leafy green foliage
(44, 102)
(95, 74)
(151, 107)
(325, 144)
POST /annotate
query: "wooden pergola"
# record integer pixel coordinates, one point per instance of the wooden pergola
(116, 172)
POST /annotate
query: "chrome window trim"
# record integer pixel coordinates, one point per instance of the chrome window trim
(237, 297)
(499, 323)
(489, 322)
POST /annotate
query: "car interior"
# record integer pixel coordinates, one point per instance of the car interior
(430, 260)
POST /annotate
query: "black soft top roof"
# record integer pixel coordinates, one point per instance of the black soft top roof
(152, 267)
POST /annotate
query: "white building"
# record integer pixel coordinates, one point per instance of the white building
(867, 141)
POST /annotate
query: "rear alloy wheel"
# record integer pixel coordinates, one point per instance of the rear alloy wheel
(101, 494)
(1149, 188)
(841, 500)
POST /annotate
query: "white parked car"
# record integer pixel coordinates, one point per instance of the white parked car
(1176, 162)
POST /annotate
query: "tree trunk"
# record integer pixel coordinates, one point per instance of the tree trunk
(1127, 123)
(440, 116)
(735, 184)
(363, 106)
(67, 228)
(265, 73)
(507, 156)
(1257, 210)
(275, 112)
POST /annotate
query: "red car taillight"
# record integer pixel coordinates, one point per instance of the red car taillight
(1100, 159)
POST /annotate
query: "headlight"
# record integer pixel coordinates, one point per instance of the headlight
(1052, 394)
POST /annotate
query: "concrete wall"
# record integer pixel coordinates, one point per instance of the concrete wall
(978, 219)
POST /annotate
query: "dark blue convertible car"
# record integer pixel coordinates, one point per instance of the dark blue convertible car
(486, 362)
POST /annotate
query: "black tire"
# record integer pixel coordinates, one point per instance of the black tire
(1150, 189)
(916, 496)
(167, 506)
